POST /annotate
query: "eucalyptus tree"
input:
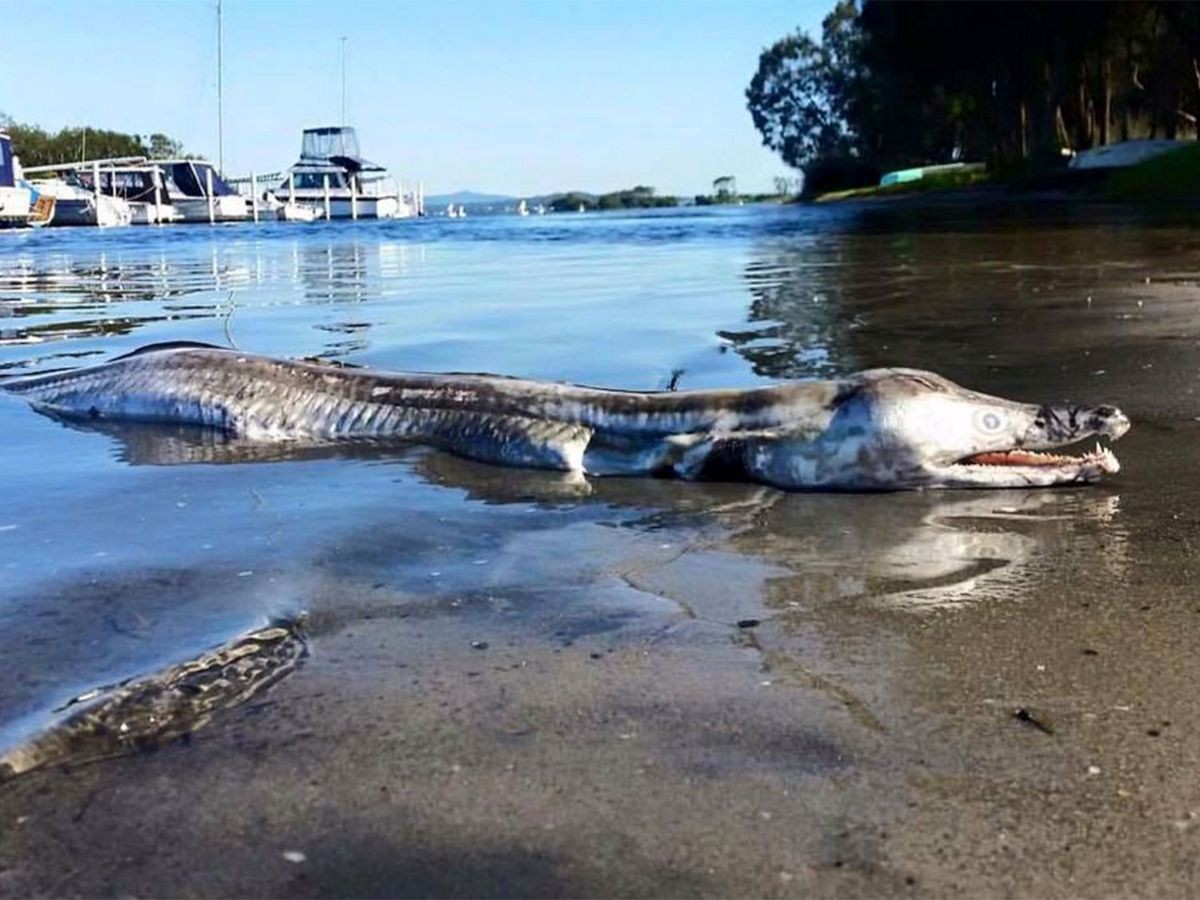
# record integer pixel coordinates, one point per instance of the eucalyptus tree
(802, 97)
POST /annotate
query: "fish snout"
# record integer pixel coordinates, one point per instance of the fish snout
(1057, 425)
(1109, 421)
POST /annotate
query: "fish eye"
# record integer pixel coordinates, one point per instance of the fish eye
(991, 421)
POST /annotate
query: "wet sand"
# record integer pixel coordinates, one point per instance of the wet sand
(516, 686)
(611, 729)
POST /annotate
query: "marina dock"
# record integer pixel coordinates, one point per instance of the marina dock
(330, 181)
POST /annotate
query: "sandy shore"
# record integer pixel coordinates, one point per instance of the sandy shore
(613, 729)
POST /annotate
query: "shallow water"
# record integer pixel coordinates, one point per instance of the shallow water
(128, 549)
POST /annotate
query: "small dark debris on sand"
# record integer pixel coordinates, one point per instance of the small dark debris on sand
(1021, 714)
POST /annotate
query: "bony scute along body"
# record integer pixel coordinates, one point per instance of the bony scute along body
(878, 430)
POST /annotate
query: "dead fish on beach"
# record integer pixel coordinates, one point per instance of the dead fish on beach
(878, 430)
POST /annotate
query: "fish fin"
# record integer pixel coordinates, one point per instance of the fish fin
(515, 441)
(168, 345)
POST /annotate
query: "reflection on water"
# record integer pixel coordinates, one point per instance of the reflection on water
(937, 550)
(94, 293)
(797, 293)
(333, 273)
(799, 320)
(965, 304)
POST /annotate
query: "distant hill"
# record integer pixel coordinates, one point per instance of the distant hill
(468, 198)
(549, 199)
(560, 201)
(474, 198)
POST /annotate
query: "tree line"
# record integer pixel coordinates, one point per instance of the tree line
(38, 147)
(895, 84)
(638, 197)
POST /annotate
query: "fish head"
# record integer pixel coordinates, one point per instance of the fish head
(918, 429)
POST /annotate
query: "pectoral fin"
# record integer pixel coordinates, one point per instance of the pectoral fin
(517, 441)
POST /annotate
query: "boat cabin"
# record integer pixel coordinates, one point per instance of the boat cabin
(333, 177)
(189, 178)
(8, 175)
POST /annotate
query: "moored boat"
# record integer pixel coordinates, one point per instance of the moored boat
(1125, 153)
(73, 186)
(199, 193)
(15, 199)
(333, 178)
(142, 186)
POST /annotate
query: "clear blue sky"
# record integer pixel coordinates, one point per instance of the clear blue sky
(503, 97)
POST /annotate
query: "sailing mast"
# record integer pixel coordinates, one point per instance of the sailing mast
(343, 81)
(220, 94)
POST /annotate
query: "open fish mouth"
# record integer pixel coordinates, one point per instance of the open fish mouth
(1099, 458)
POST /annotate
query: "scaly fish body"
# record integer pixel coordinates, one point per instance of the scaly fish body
(878, 430)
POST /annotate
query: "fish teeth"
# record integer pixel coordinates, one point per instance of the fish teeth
(1105, 459)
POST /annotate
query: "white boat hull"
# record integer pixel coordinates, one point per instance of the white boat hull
(149, 214)
(14, 207)
(102, 211)
(343, 207)
(1124, 154)
(295, 212)
(227, 208)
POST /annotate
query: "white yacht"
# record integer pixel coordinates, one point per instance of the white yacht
(75, 203)
(332, 177)
(15, 199)
(199, 193)
(76, 200)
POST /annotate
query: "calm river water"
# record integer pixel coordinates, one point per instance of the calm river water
(855, 732)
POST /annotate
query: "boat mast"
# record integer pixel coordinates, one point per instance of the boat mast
(343, 81)
(220, 94)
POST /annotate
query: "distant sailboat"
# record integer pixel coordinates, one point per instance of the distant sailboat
(522, 208)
